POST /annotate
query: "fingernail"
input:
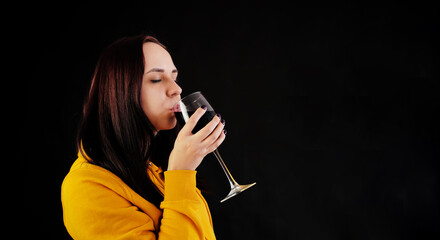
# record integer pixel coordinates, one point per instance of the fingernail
(223, 121)
(219, 115)
(204, 107)
(224, 131)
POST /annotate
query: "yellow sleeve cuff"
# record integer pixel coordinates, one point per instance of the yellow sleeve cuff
(180, 185)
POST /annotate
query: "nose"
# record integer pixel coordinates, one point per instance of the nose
(174, 89)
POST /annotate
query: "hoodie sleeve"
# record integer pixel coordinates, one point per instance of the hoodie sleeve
(96, 206)
(182, 207)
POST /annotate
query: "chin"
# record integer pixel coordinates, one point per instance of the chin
(171, 124)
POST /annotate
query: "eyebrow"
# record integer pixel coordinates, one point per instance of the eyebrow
(161, 70)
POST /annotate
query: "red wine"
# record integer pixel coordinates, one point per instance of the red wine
(205, 119)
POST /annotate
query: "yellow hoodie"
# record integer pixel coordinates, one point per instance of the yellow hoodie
(99, 205)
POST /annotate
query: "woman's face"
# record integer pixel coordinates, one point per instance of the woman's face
(159, 92)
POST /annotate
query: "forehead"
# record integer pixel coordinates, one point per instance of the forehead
(156, 56)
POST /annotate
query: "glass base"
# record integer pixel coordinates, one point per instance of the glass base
(236, 189)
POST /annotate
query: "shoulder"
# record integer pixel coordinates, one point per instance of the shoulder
(86, 180)
(94, 198)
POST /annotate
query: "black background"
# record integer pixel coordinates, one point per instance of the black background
(334, 112)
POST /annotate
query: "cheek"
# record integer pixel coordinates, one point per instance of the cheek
(148, 103)
(152, 106)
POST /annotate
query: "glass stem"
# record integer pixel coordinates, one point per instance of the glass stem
(225, 169)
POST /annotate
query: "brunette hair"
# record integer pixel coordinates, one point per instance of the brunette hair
(114, 132)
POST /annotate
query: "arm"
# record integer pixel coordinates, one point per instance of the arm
(97, 205)
(182, 207)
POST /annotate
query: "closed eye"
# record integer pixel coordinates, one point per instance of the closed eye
(155, 80)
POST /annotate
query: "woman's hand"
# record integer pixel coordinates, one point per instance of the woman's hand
(190, 149)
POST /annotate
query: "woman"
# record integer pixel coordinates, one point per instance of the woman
(116, 189)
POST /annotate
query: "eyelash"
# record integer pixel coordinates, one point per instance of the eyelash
(158, 80)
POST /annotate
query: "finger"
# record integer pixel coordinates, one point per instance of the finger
(192, 121)
(215, 134)
(208, 128)
(217, 143)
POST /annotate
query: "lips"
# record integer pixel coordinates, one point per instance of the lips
(176, 107)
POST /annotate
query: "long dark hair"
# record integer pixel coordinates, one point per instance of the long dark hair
(115, 133)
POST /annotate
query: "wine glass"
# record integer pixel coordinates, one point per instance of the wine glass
(183, 111)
